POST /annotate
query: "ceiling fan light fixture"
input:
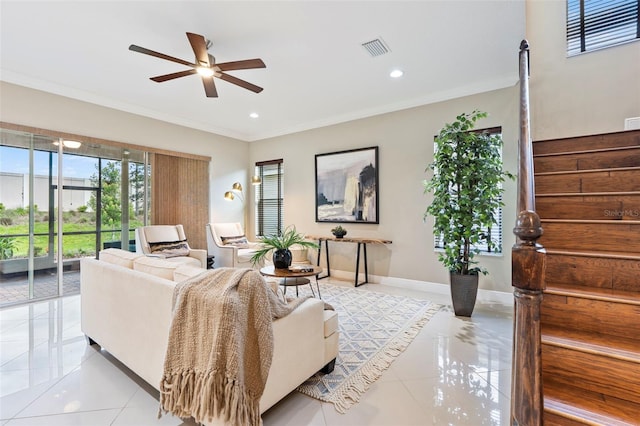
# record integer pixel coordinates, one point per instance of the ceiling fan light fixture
(205, 71)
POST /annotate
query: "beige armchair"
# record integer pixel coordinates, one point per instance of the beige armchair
(169, 242)
(228, 243)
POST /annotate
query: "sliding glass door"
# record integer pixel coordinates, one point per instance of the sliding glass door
(103, 196)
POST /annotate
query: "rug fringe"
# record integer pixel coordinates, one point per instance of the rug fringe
(356, 385)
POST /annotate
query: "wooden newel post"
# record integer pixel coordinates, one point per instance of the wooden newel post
(527, 274)
(528, 268)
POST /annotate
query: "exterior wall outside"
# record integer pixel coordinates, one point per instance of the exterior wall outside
(581, 95)
(15, 191)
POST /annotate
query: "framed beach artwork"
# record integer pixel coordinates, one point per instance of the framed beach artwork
(347, 186)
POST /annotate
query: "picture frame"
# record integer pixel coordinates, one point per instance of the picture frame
(347, 186)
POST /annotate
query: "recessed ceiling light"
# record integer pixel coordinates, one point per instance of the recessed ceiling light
(254, 115)
(69, 144)
(396, 73)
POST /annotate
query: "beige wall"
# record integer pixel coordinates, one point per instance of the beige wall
(20, 105)
(585, 94)
(405, 141)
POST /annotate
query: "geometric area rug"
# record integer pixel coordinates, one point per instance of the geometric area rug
(374, 329)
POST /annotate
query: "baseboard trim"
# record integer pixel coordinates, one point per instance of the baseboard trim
(485, 296)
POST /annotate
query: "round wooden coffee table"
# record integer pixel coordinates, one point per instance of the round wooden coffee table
(294, 278)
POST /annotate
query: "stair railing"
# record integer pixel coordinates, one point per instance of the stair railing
(527, 274)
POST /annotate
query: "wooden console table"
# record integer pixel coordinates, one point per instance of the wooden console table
(362, 242)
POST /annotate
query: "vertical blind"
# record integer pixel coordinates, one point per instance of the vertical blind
(594, 24)
(269, 197)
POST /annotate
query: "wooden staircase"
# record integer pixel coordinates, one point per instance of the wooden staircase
(588, 199)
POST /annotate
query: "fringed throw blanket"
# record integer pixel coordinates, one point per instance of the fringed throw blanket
(220, 346)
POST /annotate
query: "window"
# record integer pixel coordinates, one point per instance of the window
(595, 24)
(269, 198)
(494, 233)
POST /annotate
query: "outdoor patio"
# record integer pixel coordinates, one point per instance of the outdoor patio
(15, 290)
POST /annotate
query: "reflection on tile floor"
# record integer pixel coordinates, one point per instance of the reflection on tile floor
(456, 372)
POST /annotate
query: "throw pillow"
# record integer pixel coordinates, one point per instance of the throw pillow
(239, 241)
(170, 248)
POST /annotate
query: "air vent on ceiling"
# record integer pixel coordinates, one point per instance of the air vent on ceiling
(376, 47)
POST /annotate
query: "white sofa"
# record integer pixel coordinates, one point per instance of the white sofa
(158, 240)
(126, 301)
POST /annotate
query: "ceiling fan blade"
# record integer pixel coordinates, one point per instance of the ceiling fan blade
(241, 83)
(160, 55)
(199, 46)
(209, 87)
(161, 78)
(241, 65)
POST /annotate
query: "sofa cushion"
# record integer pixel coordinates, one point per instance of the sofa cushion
(185, 260)
(119, 257)
(330, 322)
(170, 248)
(184, 272)
(155, 266)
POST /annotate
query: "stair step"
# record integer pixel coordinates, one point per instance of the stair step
(609, 271)
(596, 253)
(625, 180)
(616, 347)
(586, 235)
(590, 142)
(567, 405)
(595, 293)
(588, 160)
(573, 311)
(592, 371)
(588, 206)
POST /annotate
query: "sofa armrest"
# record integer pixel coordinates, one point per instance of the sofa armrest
(199, 254)
(299, 341)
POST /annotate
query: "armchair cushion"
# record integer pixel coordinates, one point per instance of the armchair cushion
(239, 241)
(170, 248)
(169, 242)
(219, 235)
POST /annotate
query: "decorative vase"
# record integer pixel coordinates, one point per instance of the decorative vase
(282, 258)
(464, 289)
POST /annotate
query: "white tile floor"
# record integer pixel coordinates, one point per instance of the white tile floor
(456, 372)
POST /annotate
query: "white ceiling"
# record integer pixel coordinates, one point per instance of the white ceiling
(317, 71)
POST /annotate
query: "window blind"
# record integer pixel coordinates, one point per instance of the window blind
(269, 197)
(595, 24)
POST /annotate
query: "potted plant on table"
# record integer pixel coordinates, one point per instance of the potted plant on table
(280, 244)
(339, 231)
(467, 192)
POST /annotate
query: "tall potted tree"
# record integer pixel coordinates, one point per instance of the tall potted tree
(467, 192)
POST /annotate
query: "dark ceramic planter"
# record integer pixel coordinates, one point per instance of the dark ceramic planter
(464, 289)
(340, 235)
(282, 259)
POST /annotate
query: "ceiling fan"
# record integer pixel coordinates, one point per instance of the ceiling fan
(206, 66)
